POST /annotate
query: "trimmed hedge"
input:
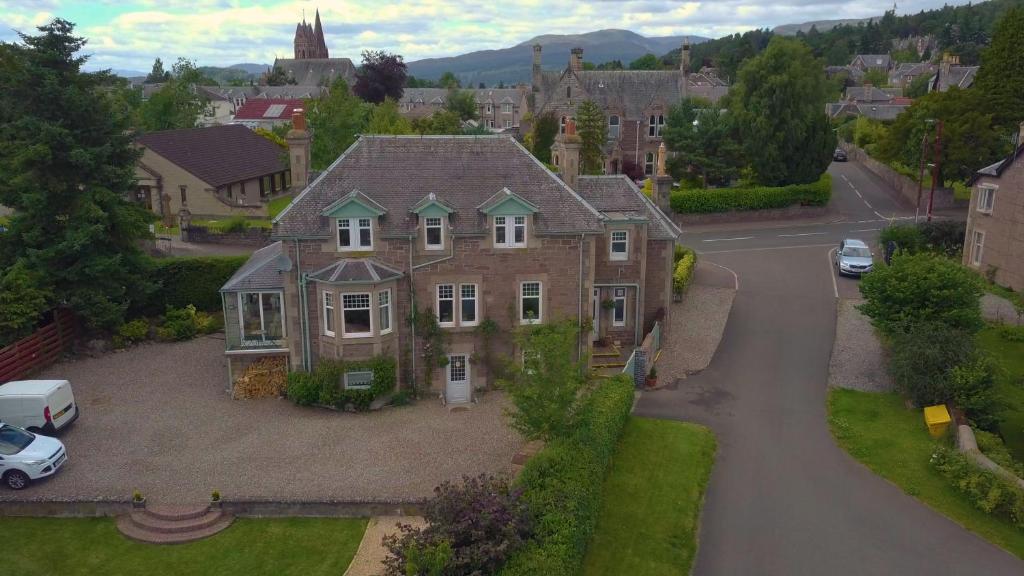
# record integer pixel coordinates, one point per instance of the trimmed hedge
(686, 262)
(188, 280)
(562, 484)
(702, 201)
(324, 386)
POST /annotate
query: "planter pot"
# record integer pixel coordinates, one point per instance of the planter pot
(652, 382)
(216, 504)
(139, 504)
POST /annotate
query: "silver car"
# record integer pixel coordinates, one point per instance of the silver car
(853, 257)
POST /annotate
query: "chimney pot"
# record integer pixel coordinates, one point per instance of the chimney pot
(299, 119)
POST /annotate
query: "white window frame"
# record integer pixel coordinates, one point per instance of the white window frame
(490, 123)
(613, 127)
(427, 225)
(358, 386)
(476, 304)
(438, 299)
(506, 107)
(977, 247)
(369, 308)
(986, 199)
(508, 123)
(384, 303)
(355, 226)
(619, 295)
(488, 109)
(612, 254)
(263, 321)
(540, 302)
(509, 227)
(649, 163)
(328, 313)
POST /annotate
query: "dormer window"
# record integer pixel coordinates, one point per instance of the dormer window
(510, 231)
(355, 234)
(434, 237)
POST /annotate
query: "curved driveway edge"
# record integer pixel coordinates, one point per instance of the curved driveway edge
(784, 499)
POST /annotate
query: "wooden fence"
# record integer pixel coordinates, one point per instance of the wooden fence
(40, 349)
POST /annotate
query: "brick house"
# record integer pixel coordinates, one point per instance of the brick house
(471, 227)
(635, 102)
(498, 109)
(994, 243)
(214, 171)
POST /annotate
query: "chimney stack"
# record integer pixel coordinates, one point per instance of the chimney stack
(536, 67)
(565, 153)
(576, 59)
(684, 56)
(298, 139)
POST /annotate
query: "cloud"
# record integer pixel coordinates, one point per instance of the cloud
(130, 34)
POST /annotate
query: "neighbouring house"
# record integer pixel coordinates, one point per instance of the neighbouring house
(904, 74)
(869, 101)
(950, 73)
(498, 109)
(472, 228)
(214, 171)
(867, 93)
(223, 102)
(267, 113)
(994, 244)
(866, 62)
(635, 102)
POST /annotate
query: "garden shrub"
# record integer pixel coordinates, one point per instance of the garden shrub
(234, 224)
(986, 490)
(188, 280)
(992, 445)
(922, 358)
(178, 324)
(972, 386)
(686, 262)
(699, 201)
(562, 484)
(132, 332)
(325, 385)
(907, 237)
(472, 528)
(944, 237)
(1012, 333)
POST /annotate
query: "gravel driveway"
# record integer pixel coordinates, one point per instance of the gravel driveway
(157, 418)
(858, 358)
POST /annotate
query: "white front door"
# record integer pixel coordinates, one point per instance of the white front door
(457, 387)
(595, 333)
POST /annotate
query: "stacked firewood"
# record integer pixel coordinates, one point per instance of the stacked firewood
(267, 377)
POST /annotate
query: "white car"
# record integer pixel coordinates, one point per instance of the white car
(25, 456)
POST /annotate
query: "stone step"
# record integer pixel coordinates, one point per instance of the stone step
(171, 512)
(130, 530)
(154, 524)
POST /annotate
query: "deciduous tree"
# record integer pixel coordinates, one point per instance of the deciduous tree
(385, 119)
(449, 81)
(381, 75)
(336, 121)
(462, 103)
(177, 104)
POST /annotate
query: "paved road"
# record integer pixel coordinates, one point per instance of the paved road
(783, 498)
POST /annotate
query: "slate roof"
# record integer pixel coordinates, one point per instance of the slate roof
(247, 92)
(910, 69)
(440, 95)
(318, 71)
(355, 270)
(262, 271)
(217, 155)
(398, 171)
(268, 109)
(875, 111)
(959, 76)
(615, 196)
(630, 92)
(873, 60)
(867, 94)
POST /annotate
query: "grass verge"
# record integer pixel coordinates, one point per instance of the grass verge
(277, 205)
(70, 546)
(651, 500)
(891, 440)
(1009, 387)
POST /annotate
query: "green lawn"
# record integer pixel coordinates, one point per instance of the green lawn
(652, 500)
(278, 204)
(1010, 387)
(891, 440)
(69, 546)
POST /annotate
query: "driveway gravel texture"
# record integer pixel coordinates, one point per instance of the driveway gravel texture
(157, 418)
(999, 309)
(858, 358)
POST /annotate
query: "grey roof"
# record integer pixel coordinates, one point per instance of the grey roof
(398, 171)
(910, 69)
(867, 94)
(875, 111)
(262, 271)
(873, 60)
(317, 71)
(959, 76)
(290, 91)
(440, 95)
(629, 92)
(996, 169)
(363, 270)
(617, 198)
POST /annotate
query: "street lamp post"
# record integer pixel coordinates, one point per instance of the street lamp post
(937, 170)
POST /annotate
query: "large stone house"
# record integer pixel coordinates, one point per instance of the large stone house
(212, 172)
(498, 109)
(635, 102)
(470, 227)
(994, 244)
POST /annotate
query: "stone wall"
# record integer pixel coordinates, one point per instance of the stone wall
(255, 237)
(905, 187)
(788, 213)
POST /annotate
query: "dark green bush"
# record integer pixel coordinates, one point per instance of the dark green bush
(972, 385)
(908, 237)
(945, 237)
(922, 357)
(992, 445)
(234, 224)
(325, 385)
(699, 201)
(562, 484)
(988, 491)
(190, 280)
(178, 324)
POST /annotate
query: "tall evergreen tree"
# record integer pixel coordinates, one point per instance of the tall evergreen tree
(157, 74)
(68, 164)
(779, 103)
(1001, 76)
(703, 138)
(592, 128)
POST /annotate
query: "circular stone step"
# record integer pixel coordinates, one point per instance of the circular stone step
(173, 525)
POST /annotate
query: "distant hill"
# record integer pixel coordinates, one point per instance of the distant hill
(251, 68)
(821, 25)
(513, 64)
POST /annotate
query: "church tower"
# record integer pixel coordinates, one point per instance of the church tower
(309, 40)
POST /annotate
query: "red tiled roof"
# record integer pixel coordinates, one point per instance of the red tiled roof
(268, 109)
(217, 155)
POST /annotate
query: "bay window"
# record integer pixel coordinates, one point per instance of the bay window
(356, 315)
(384, 310)
(328, 314)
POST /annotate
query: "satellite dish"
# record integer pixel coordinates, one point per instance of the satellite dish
(286, 265)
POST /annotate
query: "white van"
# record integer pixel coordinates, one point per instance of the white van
(44, 406)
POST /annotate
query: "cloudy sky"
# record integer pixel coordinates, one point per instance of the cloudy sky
(129, 34)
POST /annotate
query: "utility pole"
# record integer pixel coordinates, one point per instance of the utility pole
(937, 167)
(920, 177)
